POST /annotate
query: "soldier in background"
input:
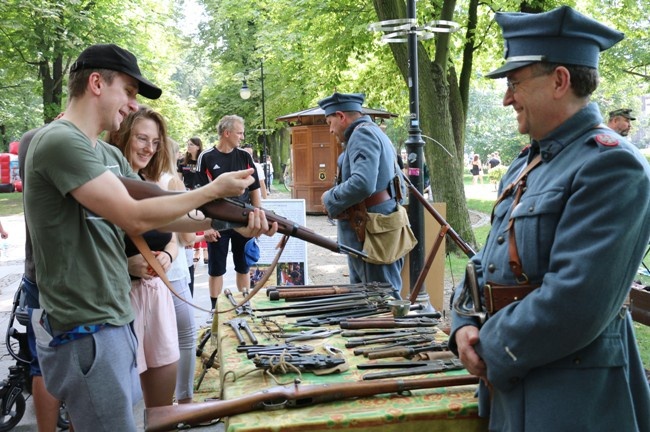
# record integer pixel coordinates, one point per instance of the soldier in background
(619, 121)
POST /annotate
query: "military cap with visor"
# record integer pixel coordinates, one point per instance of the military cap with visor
(112, 57)
(342, 102)
(562, 35)
(623, 112)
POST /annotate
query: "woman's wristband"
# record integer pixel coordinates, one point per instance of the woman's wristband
(169, 255)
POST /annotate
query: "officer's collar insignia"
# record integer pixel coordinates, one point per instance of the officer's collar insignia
(606, 140)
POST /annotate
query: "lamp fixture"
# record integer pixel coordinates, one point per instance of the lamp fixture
(245, 92)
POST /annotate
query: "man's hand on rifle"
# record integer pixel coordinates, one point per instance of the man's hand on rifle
(258, 225)
(466, 338)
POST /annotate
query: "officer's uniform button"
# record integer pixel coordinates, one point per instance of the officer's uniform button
(500, 239)
(491, 268)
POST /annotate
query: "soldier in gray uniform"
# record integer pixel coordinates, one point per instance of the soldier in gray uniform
(620, 121)
(366, 171)
(557, 351)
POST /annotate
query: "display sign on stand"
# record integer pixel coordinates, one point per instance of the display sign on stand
(292, 267)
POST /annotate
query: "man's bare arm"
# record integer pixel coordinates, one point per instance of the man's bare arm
(106, 196)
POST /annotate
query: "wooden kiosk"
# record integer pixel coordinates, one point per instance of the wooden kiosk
(314, 153)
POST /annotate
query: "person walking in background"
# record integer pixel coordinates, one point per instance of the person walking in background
(269, 173)
(367, 168)
(620, 121)
(187, 166)
(85, 343)
(476, 170)
(493, 160)
(259, 168)
(561, 254)
(214, 162)
(188, 170)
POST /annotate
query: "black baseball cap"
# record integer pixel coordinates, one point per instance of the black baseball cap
(112, 57)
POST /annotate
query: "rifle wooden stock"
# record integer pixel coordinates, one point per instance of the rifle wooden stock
(316, 292)
(168, 418)
(234, 211)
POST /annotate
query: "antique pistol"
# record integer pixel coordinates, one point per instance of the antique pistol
(303, 362)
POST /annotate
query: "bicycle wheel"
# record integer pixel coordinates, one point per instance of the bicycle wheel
(14, 412)
(63, 422)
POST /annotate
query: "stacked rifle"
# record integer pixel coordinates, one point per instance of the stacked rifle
(324, 305)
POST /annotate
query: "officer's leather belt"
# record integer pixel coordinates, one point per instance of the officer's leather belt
(499, 296)
(377, 198)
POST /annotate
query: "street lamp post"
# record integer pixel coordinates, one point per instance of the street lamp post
(399, 31)
(245, 93)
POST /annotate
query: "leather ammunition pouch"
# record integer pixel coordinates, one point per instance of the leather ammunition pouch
(498, 296)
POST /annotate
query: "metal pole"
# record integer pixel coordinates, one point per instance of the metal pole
(414, 147)
(266, 167)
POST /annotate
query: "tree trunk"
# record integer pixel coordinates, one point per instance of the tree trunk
(445, 158)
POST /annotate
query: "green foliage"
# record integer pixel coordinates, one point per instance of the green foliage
(11, 203)
(40, 39)
(309, 49)
(495, 174)
(643, 341)
(491, 127)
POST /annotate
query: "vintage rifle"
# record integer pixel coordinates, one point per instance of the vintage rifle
(234, 211)
(445, 230)
(293, 293)
(167, 418)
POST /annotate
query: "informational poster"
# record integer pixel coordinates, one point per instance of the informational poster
(292, 266)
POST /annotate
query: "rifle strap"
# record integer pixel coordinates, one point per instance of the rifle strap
(149, 257)
(144, 249)
(264, 278)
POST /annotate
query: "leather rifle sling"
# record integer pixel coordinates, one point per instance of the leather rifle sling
(150, 258)
(144, 249)
(267, 273)
(520, 184)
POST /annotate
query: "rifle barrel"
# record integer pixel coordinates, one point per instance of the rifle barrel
(167, 418)
(230, 210)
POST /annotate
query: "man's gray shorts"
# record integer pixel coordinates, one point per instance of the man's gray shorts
(97, 378)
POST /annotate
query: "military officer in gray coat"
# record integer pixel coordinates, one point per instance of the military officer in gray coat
(367, 168)
(557, 351)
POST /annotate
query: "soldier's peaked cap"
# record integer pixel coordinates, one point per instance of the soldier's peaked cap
(342, 102)
(562, 36)
(623, 112)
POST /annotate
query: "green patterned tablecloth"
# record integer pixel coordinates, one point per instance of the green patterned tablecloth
(443, 409)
